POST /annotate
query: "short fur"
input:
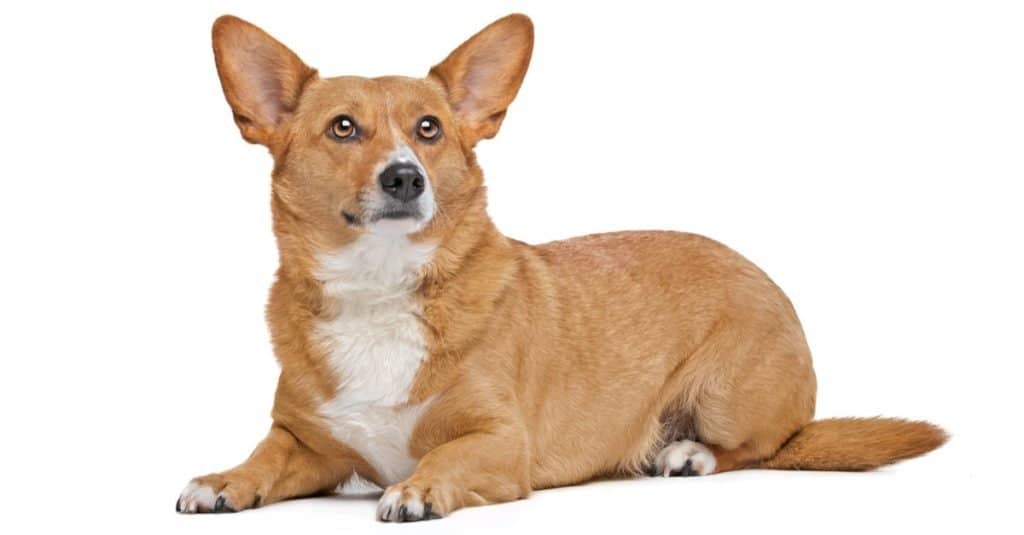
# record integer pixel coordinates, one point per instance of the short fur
(459, 367)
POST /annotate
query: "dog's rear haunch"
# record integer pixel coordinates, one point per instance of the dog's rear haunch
(423, 350)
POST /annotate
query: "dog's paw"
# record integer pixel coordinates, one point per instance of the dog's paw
(406, 503)
(684, 458)
(218, 493)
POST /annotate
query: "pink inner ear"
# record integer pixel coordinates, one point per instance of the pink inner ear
(265, 79)
(272, 102)
(475, 83)
(482, 84)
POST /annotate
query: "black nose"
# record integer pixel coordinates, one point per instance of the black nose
(402, 181)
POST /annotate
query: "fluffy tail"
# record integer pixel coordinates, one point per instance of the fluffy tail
(855, 444)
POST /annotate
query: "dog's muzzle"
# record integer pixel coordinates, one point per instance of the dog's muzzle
(402, 194)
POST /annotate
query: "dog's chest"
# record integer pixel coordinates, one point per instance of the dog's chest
(374, 346)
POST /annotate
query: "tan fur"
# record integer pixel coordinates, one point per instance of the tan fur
(548, 365)
(855, 444)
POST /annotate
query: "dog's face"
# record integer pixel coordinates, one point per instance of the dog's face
(355, 155)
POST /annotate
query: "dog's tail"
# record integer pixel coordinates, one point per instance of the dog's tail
(855, 444)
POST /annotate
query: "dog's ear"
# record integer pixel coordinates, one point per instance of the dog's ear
(483, 75)
(261, 78)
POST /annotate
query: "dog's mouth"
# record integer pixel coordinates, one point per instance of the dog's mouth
(397, 213)
(400, 213)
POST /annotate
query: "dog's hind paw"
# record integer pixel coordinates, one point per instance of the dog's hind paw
(684, 458)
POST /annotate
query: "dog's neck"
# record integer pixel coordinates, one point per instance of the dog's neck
(375, 268)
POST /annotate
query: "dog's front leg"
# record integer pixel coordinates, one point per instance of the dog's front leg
(481, 467)
(281, 467)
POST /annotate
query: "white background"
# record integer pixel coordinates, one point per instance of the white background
(867, 155)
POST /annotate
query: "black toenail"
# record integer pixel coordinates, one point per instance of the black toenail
(688, 469)
(218, 506)
(256, 502)
(177, 505)
(403, 513)
(428, 511)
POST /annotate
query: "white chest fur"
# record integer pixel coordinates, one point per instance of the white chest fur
(375, 347)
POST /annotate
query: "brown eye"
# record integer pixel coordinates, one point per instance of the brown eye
(428, 129)
(343, 128)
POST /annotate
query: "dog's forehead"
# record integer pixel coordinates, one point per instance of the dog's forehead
(385, 95)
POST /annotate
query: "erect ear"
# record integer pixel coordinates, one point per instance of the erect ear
(261, 78)
(483, 75)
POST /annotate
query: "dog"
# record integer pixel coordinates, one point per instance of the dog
(424, 351)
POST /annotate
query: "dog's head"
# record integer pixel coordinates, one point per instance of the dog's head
(355, 155)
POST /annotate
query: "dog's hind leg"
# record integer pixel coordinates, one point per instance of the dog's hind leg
(735, 404)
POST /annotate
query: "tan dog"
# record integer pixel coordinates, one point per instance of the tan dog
(426, 352)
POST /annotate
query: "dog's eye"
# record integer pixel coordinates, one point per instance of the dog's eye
(343, 128)
(428, 129)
